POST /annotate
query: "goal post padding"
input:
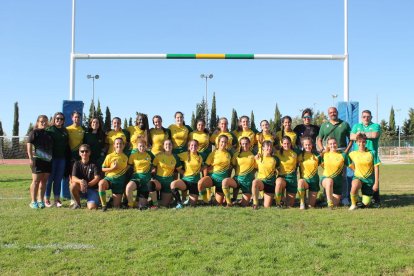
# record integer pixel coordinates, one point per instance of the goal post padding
(70, 106)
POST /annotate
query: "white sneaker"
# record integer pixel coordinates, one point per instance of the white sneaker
(58, 203)
(302, 206)
(353, 207)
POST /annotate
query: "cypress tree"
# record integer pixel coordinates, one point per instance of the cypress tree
(107, 124)
(252, 123)
(1, 140)
(130, 121)
(193, 121)
(15, 141)
(92, 113)
(99, 114)
(213, 114)
(234, 120)
(391, 123)
(125, 123)
(29, 129)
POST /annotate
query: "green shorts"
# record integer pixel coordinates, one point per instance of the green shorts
(116, 184)
(218, 178)
(269, 181)
(165, 183)
(313, 183)
(141, 179)
(367, 184)
(337, 186)
(291, 182)
(245, 183)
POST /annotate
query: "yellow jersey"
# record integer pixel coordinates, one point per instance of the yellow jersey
(220, 161)
(308, 164)
(232, 140)
(141, 161)
(111, 136)
(244, 163)
(165, 164)
(135, 132)
(266, 167)
(75, 134)
(202, 138)
(260, 138)
(179, 135)
(333, 164)
(158, 136)
(249, 134)
(363, 163)
(122, 164)
(288, 161)
(192, 166)
(292, 135)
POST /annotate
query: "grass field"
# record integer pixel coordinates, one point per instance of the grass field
(208, 240)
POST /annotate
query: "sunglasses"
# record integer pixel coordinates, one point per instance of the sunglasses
(84, 151)
(307, 117)
(59, 119)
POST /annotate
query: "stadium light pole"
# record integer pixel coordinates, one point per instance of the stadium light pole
(206, 76)
(334, 96)
(96, 77)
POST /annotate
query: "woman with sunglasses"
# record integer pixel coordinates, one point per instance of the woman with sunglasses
(307, 129)
(60, 139)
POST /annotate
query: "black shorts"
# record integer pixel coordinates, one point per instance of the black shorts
(219, 190)
(191, 187)
(41, 166)
(268, 189)
(143, 194)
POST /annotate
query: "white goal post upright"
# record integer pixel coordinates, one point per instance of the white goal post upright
(344, 57)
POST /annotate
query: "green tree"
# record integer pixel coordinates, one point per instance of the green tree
(92, 113)
(107, 124)
(252, 123)
(99, 114)
(319, 118)
(15, 141)
(1, 140)
(193, 121)
(125, 123)
(391, 122)
(130, 122)
(29, 129)
(275, 122)
(201, 110)
(213, 114)
(234, 120)
(408, 127)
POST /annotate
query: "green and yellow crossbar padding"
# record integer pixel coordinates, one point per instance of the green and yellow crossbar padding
(209, 56)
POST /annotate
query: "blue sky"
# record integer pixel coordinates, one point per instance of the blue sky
(35, 40)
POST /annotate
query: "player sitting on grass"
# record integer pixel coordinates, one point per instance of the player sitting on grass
(115, 167)
(366, 172)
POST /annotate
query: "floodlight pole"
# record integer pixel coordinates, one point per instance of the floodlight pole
(72, 56)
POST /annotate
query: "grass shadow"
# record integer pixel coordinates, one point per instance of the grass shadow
(389, 201)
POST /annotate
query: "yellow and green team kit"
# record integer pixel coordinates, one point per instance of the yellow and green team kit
(261, 137)
(231, 142)
(291, 134)
(111, 136)
(219, 161)
(141, 163)
(203, 140)
(165, 166)
(158, 136)
(363, 164)
(75, 134)
(134, 133)
(333, 165)
(308, 167)
(192, 164)
(288, 169)
(266, 169)
(116, 177)
(179, 137)
(245, 165)
(245, 133)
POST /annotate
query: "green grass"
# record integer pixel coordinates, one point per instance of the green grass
(208, 240)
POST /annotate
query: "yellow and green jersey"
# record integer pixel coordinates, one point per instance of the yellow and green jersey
(363, 163)
(158, 136)
(179, 136)
(141, 161)
(202, 138)
(244, 163)
(75, 134)
(308, 164)
(165, 164)
(260, 138)
(192, 166)
(249, 134)
(220, 161)
(333, 164)
(122, 164)
(266, 167)
(288, 161)
(292, 135)
(135, 132)
(111, 136)
(232, 140)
